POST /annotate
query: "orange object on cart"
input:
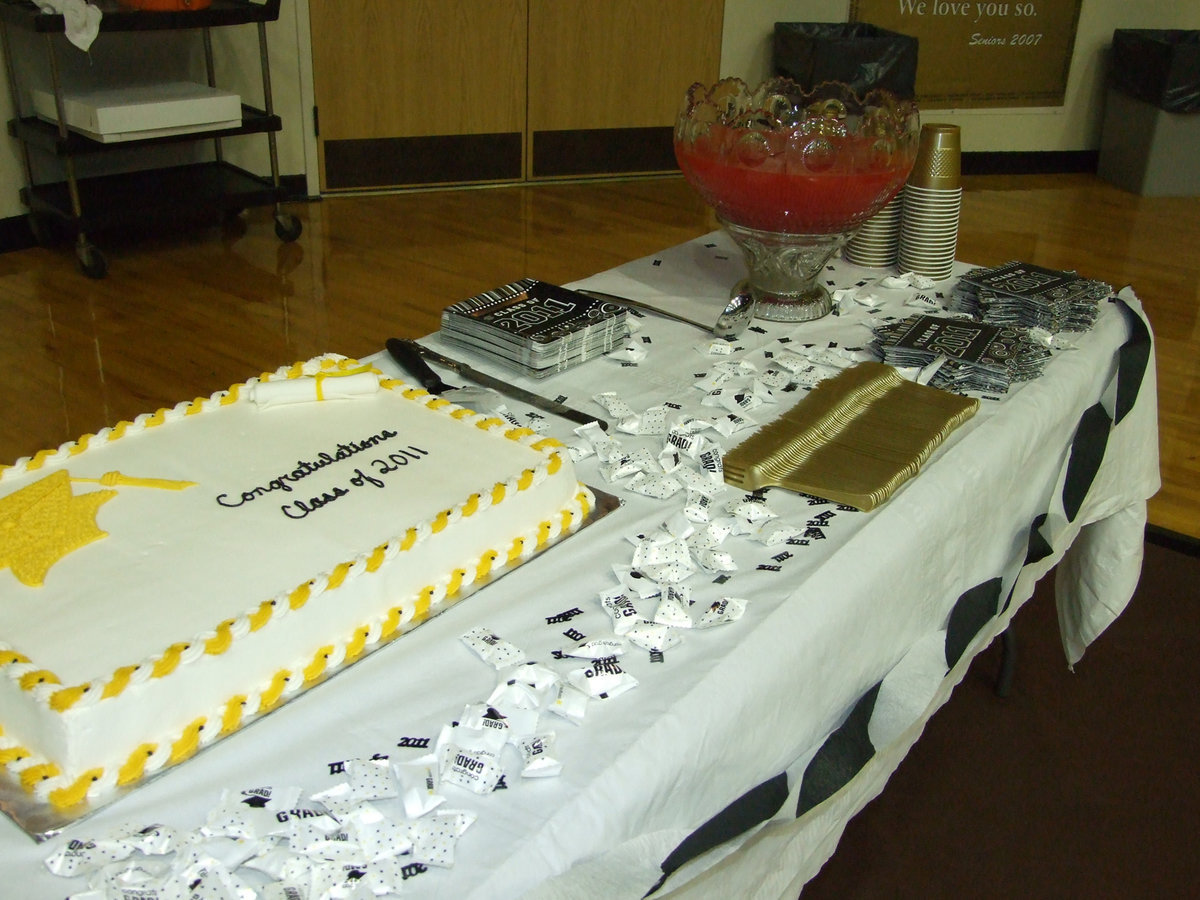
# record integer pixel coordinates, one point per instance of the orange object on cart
(167, 5)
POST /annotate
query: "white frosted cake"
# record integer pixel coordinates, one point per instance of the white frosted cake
(165, 580)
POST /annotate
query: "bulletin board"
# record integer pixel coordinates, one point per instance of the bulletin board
(983, 53)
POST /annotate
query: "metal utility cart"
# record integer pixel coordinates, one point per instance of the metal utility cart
(90, 204)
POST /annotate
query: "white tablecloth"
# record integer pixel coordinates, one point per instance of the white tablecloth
(776, 728)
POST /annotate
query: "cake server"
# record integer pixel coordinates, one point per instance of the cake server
(414, 358)
(729, 325)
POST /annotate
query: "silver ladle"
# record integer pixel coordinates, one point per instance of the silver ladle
(729, 325)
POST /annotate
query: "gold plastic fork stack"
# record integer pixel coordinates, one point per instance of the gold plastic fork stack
(854, 439)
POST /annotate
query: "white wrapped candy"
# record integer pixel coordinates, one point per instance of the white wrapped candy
(773, 533)
(515, 693)
(731, 423)
(378, 835)
(657, 486)
(474, 768)
(673, 610)
(605, 447)
(603, 679)
(370, 779)
(418, 783)
(698, 507)
(571, 703)
(776, 379)
(630, 352)
(752, 513)
(716, 347)
(653, 421)
(80, 857)
(614, 405)
(654, 637)
(435, 837)
(712, 535)
(537, 752)
(599, 648)
(727, 609)
(620, 608)
(716, 561)
(492, 648)
(254, 813)
(487, 727)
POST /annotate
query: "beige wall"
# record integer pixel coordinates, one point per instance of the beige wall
(746, 53)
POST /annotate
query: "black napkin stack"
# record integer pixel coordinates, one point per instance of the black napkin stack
(1030, 296)
(533, 327)
(975, 356)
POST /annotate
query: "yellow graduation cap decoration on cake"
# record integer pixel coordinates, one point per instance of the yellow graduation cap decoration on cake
(45, 521)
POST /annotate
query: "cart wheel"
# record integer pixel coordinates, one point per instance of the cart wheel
(91, 260)
(287, 227)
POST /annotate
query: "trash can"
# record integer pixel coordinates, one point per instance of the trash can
(861, 55)
(1150, 141)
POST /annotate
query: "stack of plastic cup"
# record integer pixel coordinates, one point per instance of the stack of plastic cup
(932, 202)
(878, 240)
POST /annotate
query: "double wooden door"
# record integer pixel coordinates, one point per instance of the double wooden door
(428, 92)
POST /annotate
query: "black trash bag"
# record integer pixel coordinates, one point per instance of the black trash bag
(1159, 66)
(860, 55)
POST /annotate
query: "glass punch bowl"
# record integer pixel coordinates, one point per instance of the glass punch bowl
(792, 175)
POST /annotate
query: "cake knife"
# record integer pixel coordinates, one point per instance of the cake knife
(412, 357)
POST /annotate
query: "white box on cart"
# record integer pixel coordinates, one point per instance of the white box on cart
(143, 111)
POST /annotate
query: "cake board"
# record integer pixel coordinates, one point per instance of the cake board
(43, 821)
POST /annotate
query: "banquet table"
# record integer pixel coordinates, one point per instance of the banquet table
(733, 766)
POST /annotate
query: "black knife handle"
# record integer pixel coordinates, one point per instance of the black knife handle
(405, 353)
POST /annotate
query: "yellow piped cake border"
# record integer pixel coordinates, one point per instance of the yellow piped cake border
(45, 780)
